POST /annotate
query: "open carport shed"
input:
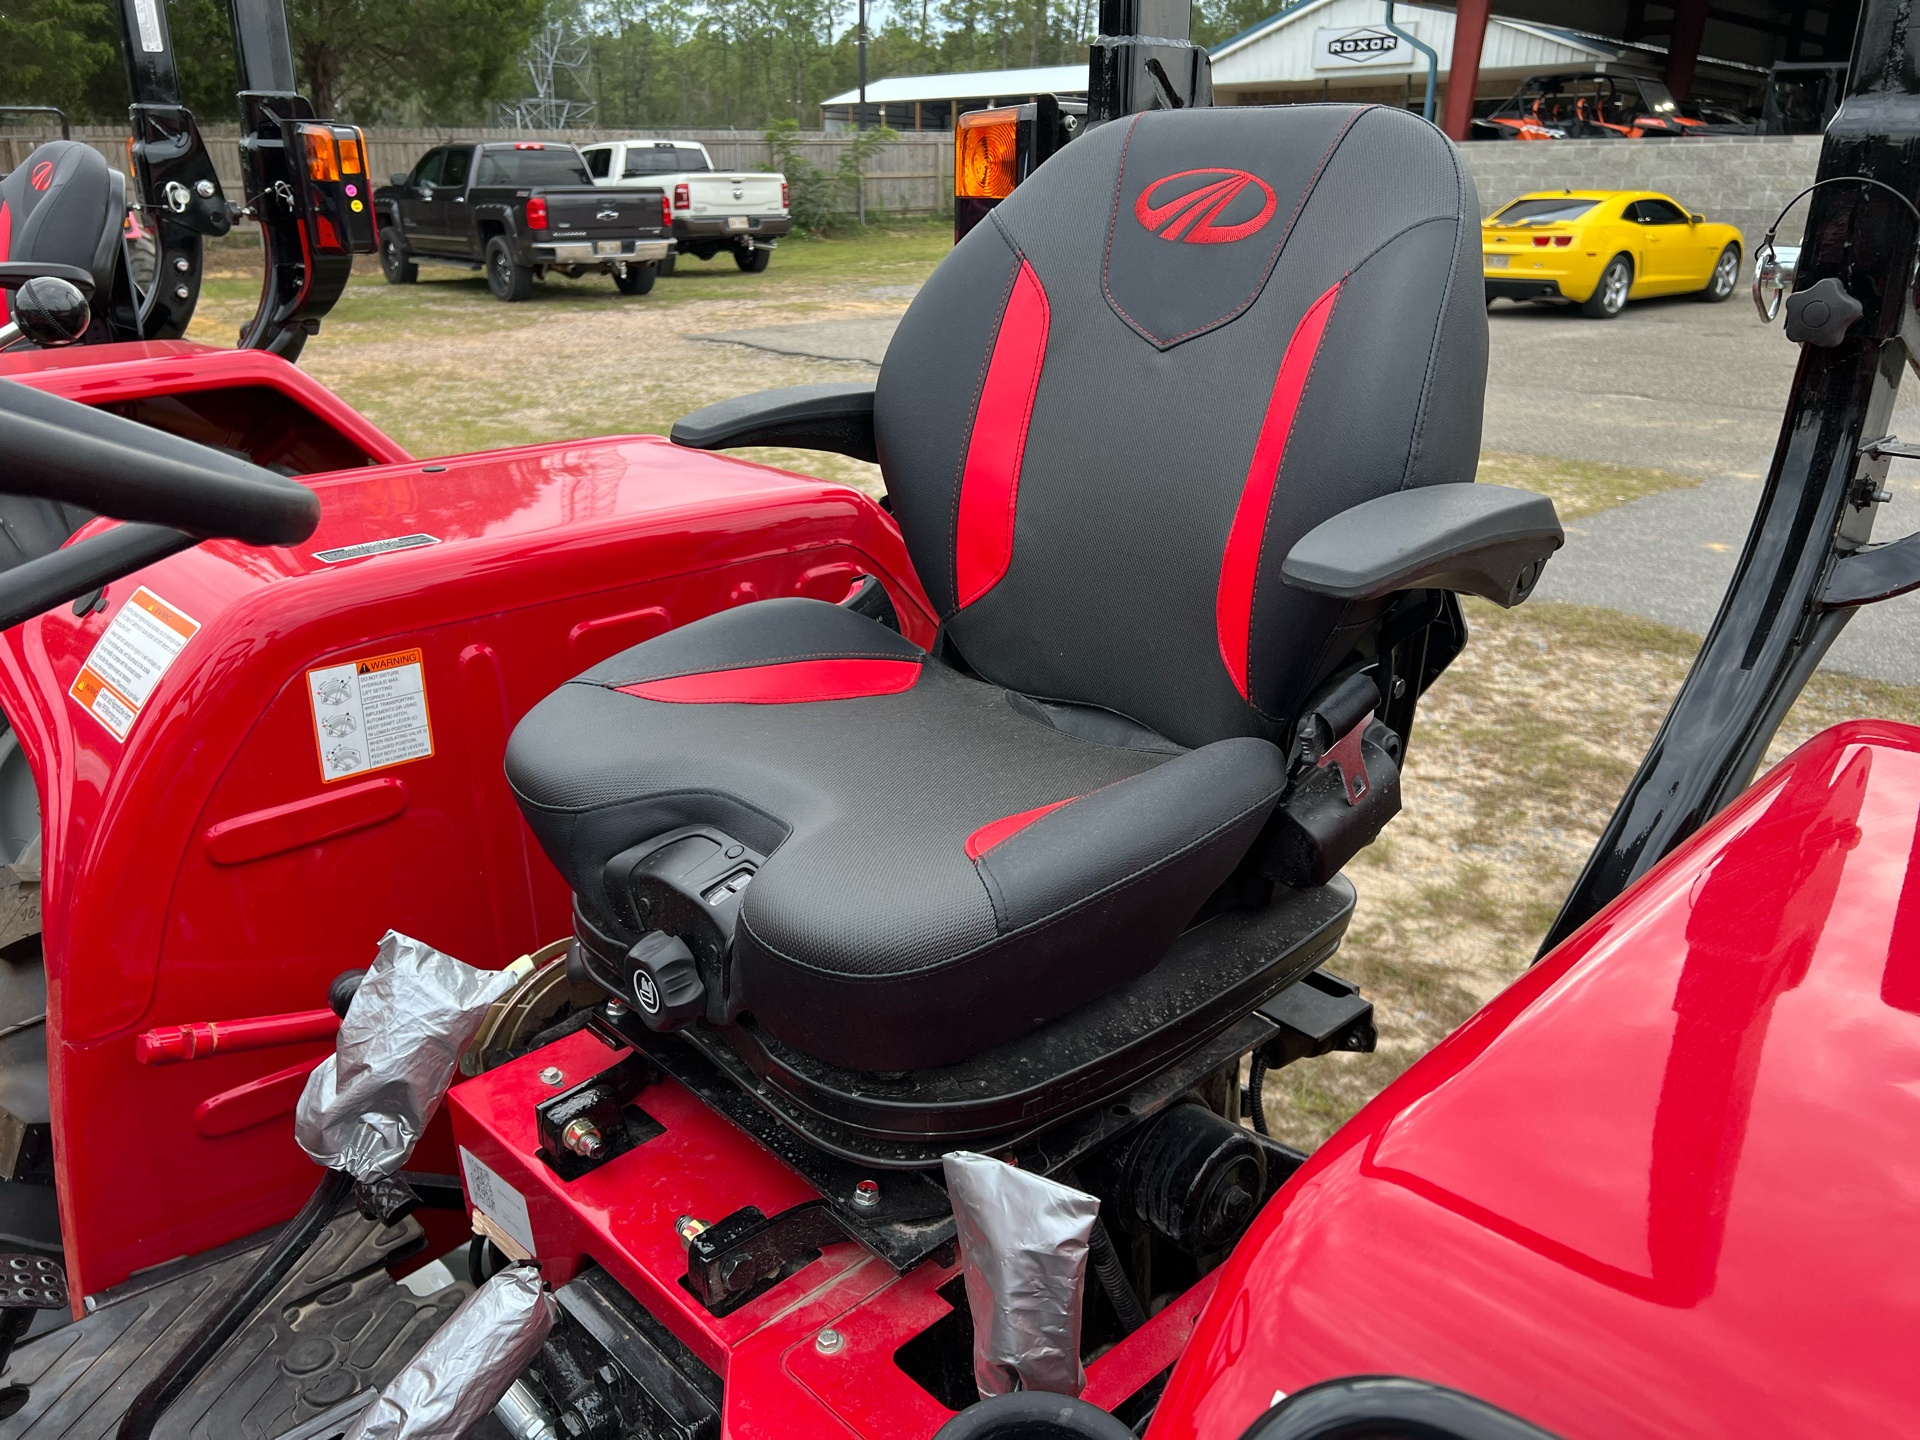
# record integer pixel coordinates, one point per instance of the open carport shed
(1760, 33)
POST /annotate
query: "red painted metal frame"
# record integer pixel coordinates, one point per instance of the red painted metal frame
(134, 370)
(779, 1385)
(206, 867)
(1666, 1183)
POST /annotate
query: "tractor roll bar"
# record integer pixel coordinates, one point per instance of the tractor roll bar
(1816, 510)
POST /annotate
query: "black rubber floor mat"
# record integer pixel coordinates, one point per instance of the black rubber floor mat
(339, 1325)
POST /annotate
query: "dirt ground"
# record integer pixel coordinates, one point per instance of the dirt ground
(1520, 750)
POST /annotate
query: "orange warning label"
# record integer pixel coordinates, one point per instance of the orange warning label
(135, 650)
(371, 713)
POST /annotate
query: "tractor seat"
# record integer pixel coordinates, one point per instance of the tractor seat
(1105, 421)
(950, 866)
(64, 205)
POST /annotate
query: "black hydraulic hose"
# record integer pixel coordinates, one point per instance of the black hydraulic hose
(1256, 1103)
(286, 1251)
(1106, 1264)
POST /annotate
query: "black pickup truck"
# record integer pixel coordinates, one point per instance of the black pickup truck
(519, 209)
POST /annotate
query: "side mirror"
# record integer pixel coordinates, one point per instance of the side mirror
(398, 177)
(50, 312)
(1696, 219)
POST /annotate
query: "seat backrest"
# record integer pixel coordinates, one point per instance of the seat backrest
(64, 205)
(1184, 341)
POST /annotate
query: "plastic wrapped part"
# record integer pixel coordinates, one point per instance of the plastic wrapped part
(468, 1365)
(365, 1107)
(1023, 1250)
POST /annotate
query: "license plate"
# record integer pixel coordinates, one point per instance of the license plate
(614, 247)
(1498, 262)
(736, 222)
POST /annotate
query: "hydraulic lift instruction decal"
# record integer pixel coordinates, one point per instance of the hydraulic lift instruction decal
(143, 641)
(369, 714)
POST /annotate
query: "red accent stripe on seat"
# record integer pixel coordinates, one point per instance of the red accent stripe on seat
(990, 482)
(1240, 564)
(6, 249)
(795, 682)
(994, 831)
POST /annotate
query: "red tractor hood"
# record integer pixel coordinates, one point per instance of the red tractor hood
(1667, 1183)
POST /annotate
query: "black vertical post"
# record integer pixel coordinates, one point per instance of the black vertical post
(1814, 509)
(1143, 59)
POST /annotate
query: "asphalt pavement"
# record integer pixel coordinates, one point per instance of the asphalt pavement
(1672, 385)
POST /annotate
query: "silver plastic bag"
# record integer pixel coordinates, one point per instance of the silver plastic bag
(1023, 1250)
(365, 1106)
(461, 1373)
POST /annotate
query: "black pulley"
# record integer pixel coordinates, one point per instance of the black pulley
(1196, 1178)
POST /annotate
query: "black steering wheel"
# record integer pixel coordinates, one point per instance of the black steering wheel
(171, 493)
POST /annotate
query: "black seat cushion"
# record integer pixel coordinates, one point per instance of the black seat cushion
(947, 868)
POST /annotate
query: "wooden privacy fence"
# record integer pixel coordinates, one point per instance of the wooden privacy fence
(910, 176)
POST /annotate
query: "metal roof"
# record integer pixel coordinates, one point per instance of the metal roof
(977, 85)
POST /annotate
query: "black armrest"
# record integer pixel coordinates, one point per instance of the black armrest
(807, 417)
(1486, 540)
(15, 273)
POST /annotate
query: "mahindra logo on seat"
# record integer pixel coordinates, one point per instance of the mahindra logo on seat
(42, 175)
(1199, 213)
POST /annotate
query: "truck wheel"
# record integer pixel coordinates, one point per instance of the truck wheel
(637, 281)
(506, 277)
(664, 267)
(753, 261)
(395, 263)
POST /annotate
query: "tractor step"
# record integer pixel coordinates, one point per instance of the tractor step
(339, 1325)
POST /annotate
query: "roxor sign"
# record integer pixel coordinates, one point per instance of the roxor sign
(1369, 46)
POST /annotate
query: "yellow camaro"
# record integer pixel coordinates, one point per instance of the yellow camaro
(1602, 248)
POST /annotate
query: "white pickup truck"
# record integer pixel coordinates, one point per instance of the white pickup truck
(713, 210)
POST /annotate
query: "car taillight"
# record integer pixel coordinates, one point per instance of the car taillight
(783, 194)
(1542, 240)
(537, 212)
(1563, 239)
(666, 212)
(682, 197)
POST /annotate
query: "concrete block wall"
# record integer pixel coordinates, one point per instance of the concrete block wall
(1735, 179)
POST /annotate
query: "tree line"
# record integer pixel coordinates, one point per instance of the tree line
(741, 64)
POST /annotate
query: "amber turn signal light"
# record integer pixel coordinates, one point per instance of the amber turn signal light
(984, 157)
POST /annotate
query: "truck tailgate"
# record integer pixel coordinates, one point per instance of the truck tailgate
(736, 194)
(601, 214)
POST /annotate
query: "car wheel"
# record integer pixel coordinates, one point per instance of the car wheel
(1726, 275)
(754, 260)
(664, 267)
(637, 280)
(1609, 297)
(507, 278)
(395, 263)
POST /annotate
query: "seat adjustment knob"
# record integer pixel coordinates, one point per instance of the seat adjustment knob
(667, 989)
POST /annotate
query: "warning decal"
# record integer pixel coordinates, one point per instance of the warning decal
(369, 714)
(143, 641)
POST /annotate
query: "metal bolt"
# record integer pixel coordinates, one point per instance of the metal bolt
(204, 189)
(582, 1138)
(686, 1227)
(828, 1342)
(552, 1075)
(182, 264)
(615, 1010)
(180, 292)
(866, 1194)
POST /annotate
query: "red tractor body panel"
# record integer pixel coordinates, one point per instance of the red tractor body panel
(779, 1380)
(216, 864)
(122, 375)
(1666, 1183)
